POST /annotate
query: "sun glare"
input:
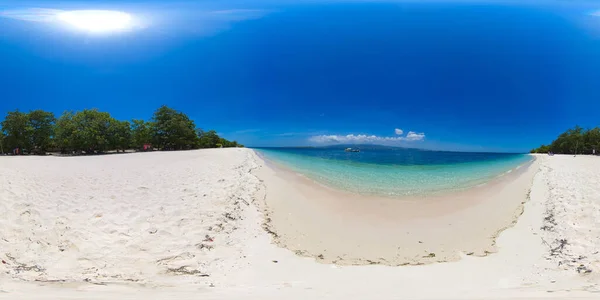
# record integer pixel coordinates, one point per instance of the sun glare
(97, 20)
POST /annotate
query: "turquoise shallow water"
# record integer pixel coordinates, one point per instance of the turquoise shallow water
(394, 171)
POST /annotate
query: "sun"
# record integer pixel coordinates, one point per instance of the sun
(97, 21)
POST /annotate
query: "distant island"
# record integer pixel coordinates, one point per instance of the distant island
(576, 140)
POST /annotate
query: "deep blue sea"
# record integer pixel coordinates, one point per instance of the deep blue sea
(394, 172)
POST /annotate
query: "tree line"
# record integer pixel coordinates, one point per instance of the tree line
(573, 141)
(92, 131)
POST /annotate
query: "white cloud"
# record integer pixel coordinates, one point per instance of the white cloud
(285, 134)
(413, 136)
(246, 131)
(240, 14)
(32, 14)
(363, 138)
(398, 131)
(237, 11)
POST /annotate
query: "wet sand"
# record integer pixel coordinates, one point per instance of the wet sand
(345, 228)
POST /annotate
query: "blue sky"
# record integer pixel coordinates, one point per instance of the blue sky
(464, 75)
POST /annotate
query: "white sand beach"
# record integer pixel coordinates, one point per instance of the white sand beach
(223, 224)
(352, 229)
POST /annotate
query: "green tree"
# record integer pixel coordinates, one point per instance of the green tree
(65, 137)
(42, 130)
(223, 142)
(209, 139)
(173, 130)
(591, 140)
(119, 135)
(574, 141)
(141, 133)
(541, 149)
(568, 141)
(227, 143)
(3, 146)
(91, 131)
(17, 130)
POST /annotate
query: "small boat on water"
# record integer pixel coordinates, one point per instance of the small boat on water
(352, 150)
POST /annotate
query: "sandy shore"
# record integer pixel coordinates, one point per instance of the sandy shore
(190, 224)
(349, 229)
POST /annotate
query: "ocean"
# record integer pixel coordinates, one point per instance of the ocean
(395, 172)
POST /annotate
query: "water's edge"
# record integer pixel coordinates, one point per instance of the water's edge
(393, 181)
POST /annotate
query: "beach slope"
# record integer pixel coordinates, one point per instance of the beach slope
(191, 224)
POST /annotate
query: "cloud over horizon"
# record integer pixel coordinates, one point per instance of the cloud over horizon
(398, 131)
(411, 136)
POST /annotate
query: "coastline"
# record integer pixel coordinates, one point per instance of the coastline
(276, 165)
(346, 228)
(390, 179)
